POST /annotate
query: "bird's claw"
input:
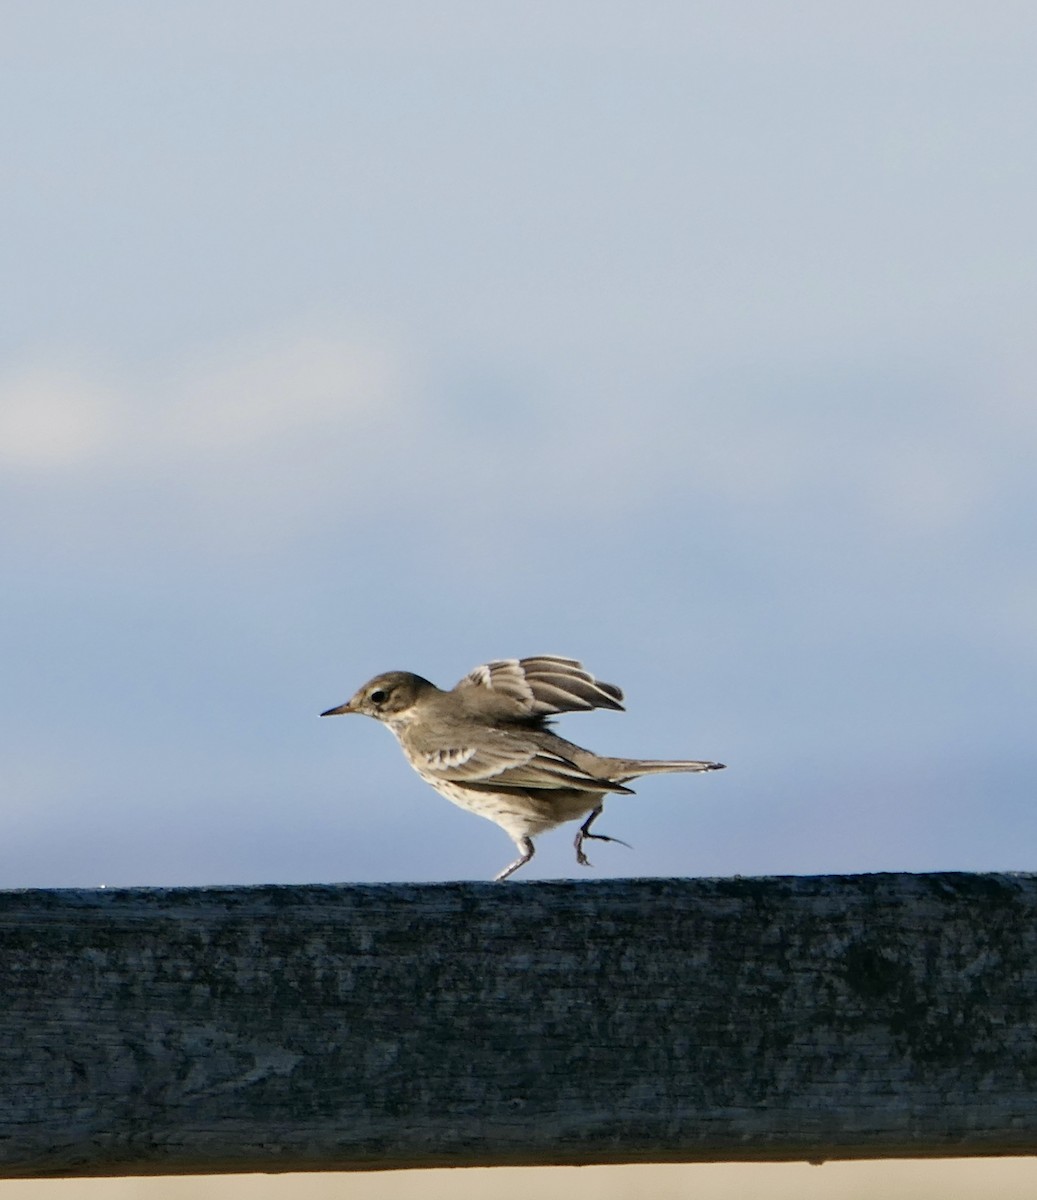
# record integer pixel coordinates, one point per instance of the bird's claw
(583, 836)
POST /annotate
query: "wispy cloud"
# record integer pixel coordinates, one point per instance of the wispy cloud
(53, 420)
(250, 435)
(269, 435)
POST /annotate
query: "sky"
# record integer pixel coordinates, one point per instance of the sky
(691, 341)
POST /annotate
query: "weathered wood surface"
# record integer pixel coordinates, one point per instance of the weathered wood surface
(305, 1028)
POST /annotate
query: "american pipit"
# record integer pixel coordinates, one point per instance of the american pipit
(487, 745)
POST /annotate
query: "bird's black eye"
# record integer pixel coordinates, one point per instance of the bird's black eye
(378, 696)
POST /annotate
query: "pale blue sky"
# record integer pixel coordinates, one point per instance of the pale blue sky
(695, 341)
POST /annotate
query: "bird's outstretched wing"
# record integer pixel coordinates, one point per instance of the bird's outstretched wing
(530, 689)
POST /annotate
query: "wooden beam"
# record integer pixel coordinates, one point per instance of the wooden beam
(387, 1026)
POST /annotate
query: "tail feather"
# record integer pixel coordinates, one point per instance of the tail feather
(623, 769)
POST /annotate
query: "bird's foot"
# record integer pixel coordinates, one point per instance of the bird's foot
(585, 835)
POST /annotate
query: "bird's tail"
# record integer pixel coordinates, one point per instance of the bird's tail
(624, 769)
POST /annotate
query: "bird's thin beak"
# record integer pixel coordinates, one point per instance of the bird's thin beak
(342, 708)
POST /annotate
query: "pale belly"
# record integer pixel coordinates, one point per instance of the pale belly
(525, 814)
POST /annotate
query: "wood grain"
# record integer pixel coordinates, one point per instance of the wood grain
(646, 1020)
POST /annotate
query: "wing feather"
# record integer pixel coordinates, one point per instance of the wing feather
(508, 766)
(530, 689)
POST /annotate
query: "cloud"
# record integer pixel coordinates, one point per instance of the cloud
(245, 442)
(246, 401)
(53, 419)
(319, 427)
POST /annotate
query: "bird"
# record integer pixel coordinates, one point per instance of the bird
(487, 745)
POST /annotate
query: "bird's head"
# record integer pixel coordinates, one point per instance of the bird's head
(386, 697)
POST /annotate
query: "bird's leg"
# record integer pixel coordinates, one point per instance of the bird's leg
(586, 835)
(528, 850)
